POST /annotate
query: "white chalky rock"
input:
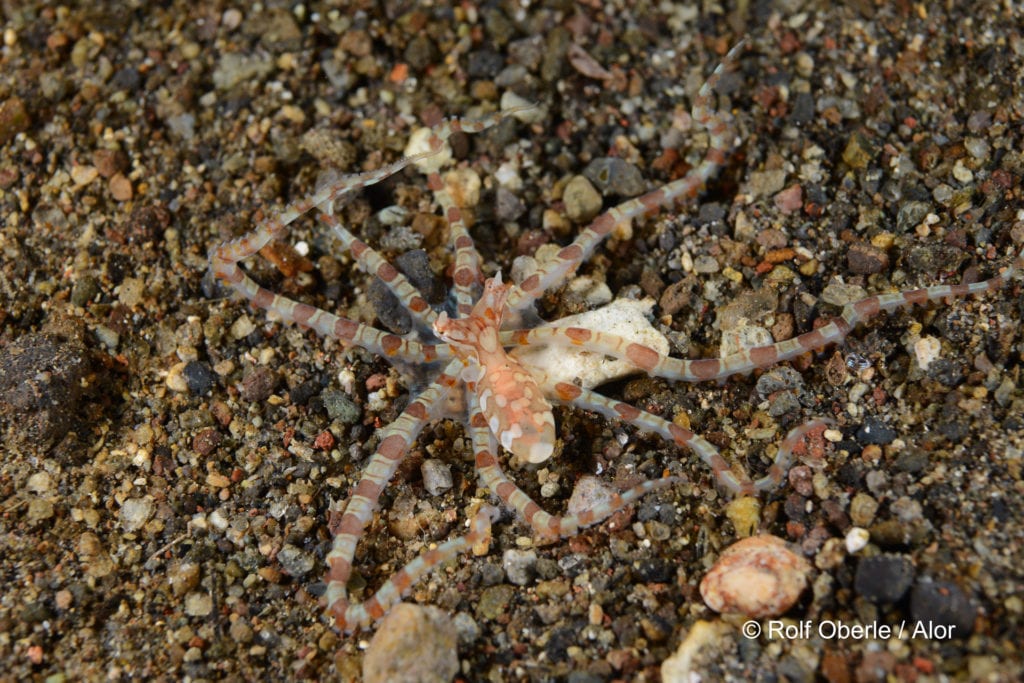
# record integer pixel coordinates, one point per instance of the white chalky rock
(419, 143)
(626, 318)
(927, 350)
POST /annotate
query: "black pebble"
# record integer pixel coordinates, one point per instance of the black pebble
(883, 578)
(199, 377)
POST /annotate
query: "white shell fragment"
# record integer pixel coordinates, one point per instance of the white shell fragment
(419, 143)
(626, 318)
(756, 577)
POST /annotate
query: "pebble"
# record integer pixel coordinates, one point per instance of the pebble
(240, 631)
(83, 175)
(494, 601)
(437, 476)
(616, 177)
(258, 384)
(766, 183)
(789, 200)
(684, 666)
(519, 565)
(856, 539)
(874, 431)
(582, 201)
(883, 578)
(340, 407)
(927, 350)
(182, 576)
(589, 493)
(756, 577)
(865, 259)
(413, 644)
(943, 602)
(862, 509)
(295, 562)
(858, 152)
(13, 119)
(135, 512)
(235, 68)
(120, 187)
(242, 327)
(39, 482)
(745, 514)
(464, 186)
(198, 604)
(40, 509)
(199, 377)
(466, 628)
(43, 404)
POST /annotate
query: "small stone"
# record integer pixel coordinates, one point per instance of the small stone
(582, 201)
(862, 510)
(258, 384)
(859, 151)
(943, 603)
(927, 350)
(466, 627)
(204, 443)
(215, 479)
(519, 565)
(614, 176)
(756, 577)
(84, 290)
(865, 259)
(745, 514)
(294, 561)
(765, 183)
(494, 600)
(183, 576)
(135, 512)
(883, 578)
(240, 631)
(14, 119)
(83, 175)
(198, 604)
(176, 378)
(340, 407)
(235, 68)
(463, 185)
(437, 476)
(40, 482)
(198, 377)
(789, 200)
(589, 493)
(41, 386)
(120, 187)
(40, 509)
(109, 162)
(856, 539)
(131, 291)
(242, 327)
(413, 643)
(685, 665)
(874, 431)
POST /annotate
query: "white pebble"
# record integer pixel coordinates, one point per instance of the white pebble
(135, 512)
(856, 539)
(927, 351)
